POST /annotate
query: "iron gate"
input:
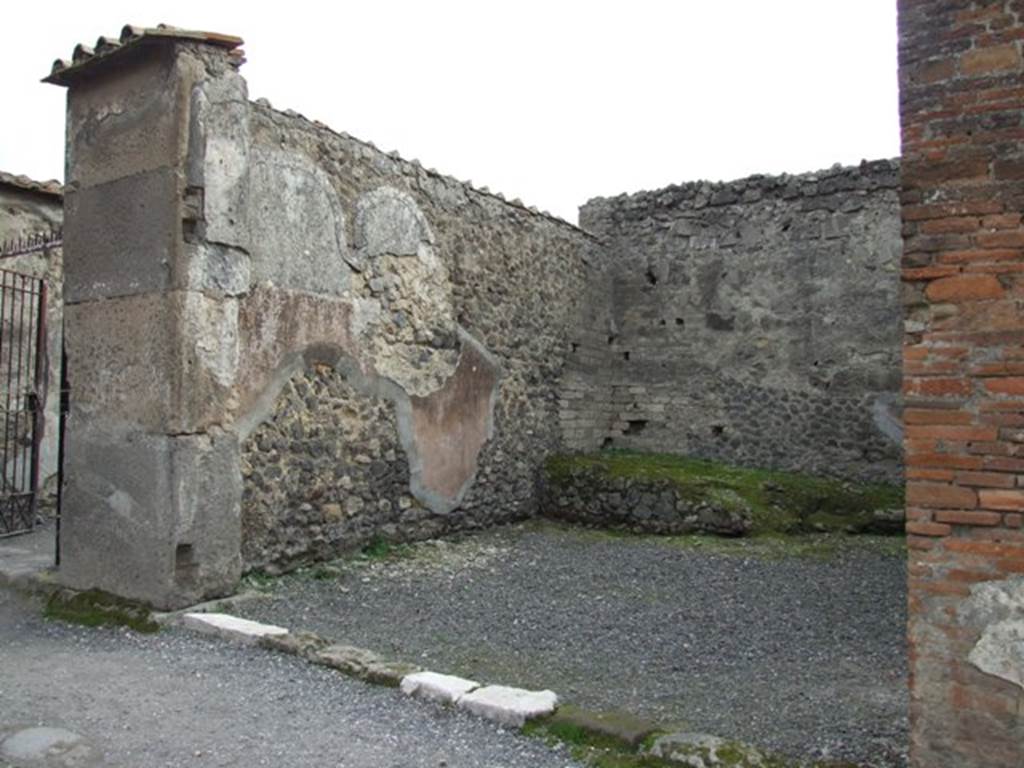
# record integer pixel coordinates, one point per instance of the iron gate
(22, 397)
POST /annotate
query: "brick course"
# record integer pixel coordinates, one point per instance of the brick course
(962, 83)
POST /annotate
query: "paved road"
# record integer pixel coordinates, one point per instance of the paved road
(174, 699)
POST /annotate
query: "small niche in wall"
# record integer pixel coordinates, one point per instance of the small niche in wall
(625, 355)
(573, 346)
(635, 426)
(717, 430)
(184, 564)
(607, 443)
(680, 322)
(652, 279)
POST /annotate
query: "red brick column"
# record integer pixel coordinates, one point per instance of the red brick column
(962, 93)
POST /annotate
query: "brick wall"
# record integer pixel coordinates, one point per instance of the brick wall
(963, 272)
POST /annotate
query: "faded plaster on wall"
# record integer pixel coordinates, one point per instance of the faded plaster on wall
(297, 239)
(430, 260)
(401, 338)
(409, 330)
(997, 608)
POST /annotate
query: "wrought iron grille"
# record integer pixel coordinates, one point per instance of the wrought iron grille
(22, 397)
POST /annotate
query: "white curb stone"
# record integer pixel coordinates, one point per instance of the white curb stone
(508, 706)
(436, 687)
(231, 627)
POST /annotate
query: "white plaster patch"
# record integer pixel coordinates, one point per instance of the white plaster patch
(389, 221)
(434, 686)
(406, 322)
(508, 706)
(365, 316)
(297, 225)
(1000, 651)
(997, 608)
(214, 326)
(231, 627)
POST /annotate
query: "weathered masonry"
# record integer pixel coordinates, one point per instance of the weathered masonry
(756, 321)
(962, 92)
(283, 341)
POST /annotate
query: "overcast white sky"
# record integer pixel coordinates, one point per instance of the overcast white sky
(553, 102)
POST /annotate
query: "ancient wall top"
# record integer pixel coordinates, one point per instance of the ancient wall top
(86, 60)
(53, 188)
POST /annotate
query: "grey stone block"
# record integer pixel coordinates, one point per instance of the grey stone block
(151, 517)
(123, 237)
(163, 363)
(127, 121)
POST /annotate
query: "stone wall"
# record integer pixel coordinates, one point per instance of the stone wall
(30, 208)
(432, 271)
(284, 342)
(962, 85)
(755, 322)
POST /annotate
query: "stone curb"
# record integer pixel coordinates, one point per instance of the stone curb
(231, 627)
(507, 706)
(504, 705)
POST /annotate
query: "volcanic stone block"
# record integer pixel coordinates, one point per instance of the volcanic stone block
(122, 237)
(128, 120)
(164, 363)
(151, 517)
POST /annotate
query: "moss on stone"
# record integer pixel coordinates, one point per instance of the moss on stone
(95, 608)
(600, 751)
(591, 748)
(777, 501)
(382, 549)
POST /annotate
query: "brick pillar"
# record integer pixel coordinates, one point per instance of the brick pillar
(154, 254)
(962, 93)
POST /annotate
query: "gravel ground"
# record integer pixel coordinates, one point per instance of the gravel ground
(175, 699)
(802, 653)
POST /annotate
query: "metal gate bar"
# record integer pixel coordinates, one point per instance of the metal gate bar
(23, 378)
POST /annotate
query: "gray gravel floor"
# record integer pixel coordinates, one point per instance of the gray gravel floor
(801, 654)
(175, 699)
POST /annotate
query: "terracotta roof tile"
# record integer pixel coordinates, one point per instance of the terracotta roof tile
(84, 56)
(51, 187)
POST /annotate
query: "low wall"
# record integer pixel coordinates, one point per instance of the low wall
(660, 493)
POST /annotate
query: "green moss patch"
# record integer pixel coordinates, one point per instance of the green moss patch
(591, 748)
(97, 609)
(600, 750)
(777, 502)
(381, 549)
